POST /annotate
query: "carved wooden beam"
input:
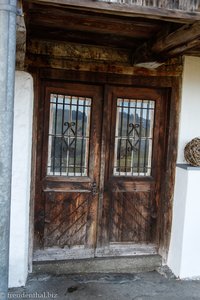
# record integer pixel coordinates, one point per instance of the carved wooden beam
(174, 44)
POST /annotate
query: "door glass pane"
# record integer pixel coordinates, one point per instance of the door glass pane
(133, 137)
(69, 133)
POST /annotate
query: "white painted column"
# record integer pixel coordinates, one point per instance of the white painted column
(184, 252)
(184, 258)
(21, 178)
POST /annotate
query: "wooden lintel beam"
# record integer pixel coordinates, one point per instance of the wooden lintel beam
(33, 60)
(124, 9)
(76, 52)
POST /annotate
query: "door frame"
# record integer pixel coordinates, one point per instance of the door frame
(170, 84)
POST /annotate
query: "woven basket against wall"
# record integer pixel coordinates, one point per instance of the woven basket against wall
(192, 152)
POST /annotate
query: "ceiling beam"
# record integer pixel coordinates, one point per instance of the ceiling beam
(165, 47)
(76, 21)
(124, 9)
(184, 48)
(183, 35)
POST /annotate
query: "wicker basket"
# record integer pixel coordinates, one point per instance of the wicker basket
(192, 152)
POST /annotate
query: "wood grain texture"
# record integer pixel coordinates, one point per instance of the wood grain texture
(124, 10)
(137, 190)
(131, 204)
(168, 45)
(99, 36)
(73, 51)
(171, 68)
(66, 209)
(66, 217)
(169, 4)
(85, 22)
(183, 35)
(168, 176)
(131, 217)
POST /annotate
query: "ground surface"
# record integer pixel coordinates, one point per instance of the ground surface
(143, 286)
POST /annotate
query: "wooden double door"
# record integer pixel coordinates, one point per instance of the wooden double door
(99, 169)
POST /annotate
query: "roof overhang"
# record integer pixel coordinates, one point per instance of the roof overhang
(150, 35)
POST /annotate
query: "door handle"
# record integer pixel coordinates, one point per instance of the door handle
(94, 189)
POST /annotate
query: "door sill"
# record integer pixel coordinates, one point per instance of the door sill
(79, 252)
(66, 253)
(129, 264)
(126, 249)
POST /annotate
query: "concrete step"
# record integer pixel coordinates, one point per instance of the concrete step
(131, 264)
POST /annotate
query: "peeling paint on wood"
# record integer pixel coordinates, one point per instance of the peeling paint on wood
(169, 4)
(74, 51)
(169, 69)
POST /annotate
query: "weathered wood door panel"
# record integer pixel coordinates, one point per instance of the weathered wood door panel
(134, 153)
(102, 156)
(70, 166)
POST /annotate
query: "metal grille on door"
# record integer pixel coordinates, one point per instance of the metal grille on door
(69, 133)
(133, 137)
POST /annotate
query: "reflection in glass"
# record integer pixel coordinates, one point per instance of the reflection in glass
(69, 130)
(133, 137)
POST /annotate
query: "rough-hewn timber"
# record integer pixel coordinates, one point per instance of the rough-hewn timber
(173, 44)
(62, 55)
(125, 9)
(169, 4)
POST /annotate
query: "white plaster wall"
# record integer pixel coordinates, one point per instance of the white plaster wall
(190, 266)
(21, 175)
(184, 252)
(190, 108)
(184, 258)
(179, 209)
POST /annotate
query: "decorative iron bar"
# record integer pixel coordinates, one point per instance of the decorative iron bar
(133, 137)
(186, 5)
(69, 133)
